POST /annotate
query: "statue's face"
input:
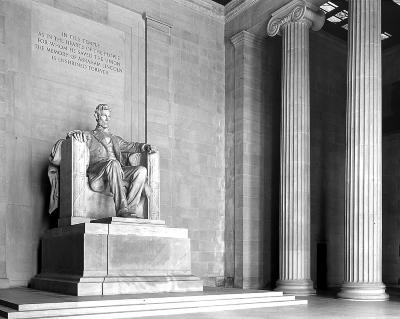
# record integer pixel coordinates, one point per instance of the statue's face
(103, 118)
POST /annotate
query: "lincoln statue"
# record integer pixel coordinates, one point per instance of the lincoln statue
(107, 171)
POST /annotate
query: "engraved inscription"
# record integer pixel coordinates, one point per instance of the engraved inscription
(76, 51)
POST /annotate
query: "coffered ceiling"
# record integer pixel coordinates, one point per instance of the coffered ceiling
(336, 12)
(337, 20)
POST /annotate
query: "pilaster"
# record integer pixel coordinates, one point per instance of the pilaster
(249, 129)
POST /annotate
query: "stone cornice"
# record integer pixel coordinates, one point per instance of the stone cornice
(208, 7)
(245, 37)
(157, 24)
(236, 7)
(296, 10)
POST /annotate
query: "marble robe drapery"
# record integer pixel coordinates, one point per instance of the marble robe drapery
(109, 168)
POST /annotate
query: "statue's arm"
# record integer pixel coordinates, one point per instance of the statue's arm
(134, 147)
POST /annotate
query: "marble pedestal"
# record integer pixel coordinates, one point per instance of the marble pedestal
(116, 256)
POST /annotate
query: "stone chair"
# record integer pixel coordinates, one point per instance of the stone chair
(79, 203)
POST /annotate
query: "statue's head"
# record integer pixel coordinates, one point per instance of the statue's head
(102, 115)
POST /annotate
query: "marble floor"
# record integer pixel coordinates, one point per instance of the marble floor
(318, 307)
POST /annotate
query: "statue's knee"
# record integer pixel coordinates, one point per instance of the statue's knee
(142, 172)
(114, 165)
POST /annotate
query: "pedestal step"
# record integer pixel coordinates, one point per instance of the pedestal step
(29, 303)
(121, 285)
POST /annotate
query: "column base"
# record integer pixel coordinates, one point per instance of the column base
(296, 287)
(363, 291)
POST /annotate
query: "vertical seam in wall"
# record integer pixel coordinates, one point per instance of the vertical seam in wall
(7, 88)
(132, 93)
(234, 168)
(171, 67)
(107, 254)
(145, 78)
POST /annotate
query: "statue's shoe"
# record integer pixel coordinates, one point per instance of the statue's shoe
(126, 212)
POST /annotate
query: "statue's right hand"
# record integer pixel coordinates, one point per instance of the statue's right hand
(78, 135)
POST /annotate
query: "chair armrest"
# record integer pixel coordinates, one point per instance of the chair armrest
(74, 163)
(153, 173)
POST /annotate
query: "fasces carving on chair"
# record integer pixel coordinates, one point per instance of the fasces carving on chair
(103, 175)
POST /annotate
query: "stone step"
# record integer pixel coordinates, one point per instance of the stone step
(29, 303)
(156, 309)
(31, 299)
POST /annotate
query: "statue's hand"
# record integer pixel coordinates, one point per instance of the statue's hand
(149, 148)
(78, 135)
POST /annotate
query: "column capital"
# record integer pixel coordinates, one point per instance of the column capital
(296, 10)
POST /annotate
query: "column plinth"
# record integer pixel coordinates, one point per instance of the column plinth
(363, 291)
(363, 181)
(293, 22)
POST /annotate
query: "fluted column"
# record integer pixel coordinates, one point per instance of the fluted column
(363, 189)
(293, 22)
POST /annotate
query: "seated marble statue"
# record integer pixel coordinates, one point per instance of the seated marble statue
(107, 170)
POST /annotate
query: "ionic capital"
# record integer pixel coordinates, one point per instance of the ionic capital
(296, 10)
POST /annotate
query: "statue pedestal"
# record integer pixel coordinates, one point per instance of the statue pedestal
(116, 256)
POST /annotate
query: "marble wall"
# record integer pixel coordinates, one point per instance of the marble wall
(176, 103)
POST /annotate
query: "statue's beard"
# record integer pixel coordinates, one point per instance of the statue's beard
(102, 124)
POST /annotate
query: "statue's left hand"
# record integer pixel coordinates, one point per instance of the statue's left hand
(149, 148)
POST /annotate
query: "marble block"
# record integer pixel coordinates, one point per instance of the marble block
(116, 256)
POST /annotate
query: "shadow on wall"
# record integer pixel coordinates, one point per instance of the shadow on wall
(390, 208)
(391, 108)
(328, 71)
(48, 220)
(272, 98)
(391, 184)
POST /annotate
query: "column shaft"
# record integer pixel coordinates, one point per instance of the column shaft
(293, 22)
(363, 188)
(294, 240)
